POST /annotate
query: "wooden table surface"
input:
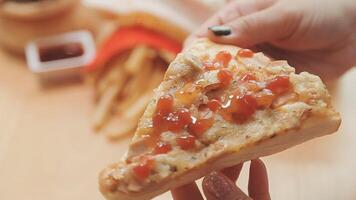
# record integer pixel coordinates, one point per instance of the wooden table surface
(48, 152)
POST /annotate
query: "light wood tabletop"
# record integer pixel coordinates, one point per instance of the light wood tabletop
(49, 152)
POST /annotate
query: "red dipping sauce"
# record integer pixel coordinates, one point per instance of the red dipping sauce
(63, 51)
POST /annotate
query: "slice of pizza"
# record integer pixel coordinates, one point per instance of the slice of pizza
(219, 105)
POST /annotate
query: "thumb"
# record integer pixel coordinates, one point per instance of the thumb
(263, 26)
(217, 186)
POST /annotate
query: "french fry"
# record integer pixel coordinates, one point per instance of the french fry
(104, 106)
(166, 55)
(138, 58)
(139, 91)
(119, 128)
(135, 87)
(106, 29)
(137, 108)
(125, 89)
(156, 77)
(127, 122)
(114, 75)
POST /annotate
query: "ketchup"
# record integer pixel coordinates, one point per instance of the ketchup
(162, 148)
(265, 98)
(208, 66)
(163, 108)
(165, 104)
(239, 108)
(57, 52)
(225, 77)
(223, 57)
(166, 119)
(279, 85)
(186, 142)
(214, 105)
(199, 127)
(142, 170)
(248, 77)
(247, 53)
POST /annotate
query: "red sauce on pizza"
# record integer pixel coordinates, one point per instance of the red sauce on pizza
(188, 94)
(199, 127)
(225, 77)
(238, 108)
(162, 148)
(214, 105)
(186, 142)
(223, 58)
(143, 168)
(247, 53)
(172, 121)
(208, 66)
(265, 98)
(165, 104)
(279, 85)
(248, 77)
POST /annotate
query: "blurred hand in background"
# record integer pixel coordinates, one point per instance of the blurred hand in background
(313, 35)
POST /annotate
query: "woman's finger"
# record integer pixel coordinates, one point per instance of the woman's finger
(228, 13)
(217, 186)
(233, 11)
(258, 181)
(233, 172)
(188, 191)
(256, 28)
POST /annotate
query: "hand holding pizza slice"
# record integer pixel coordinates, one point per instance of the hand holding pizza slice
(218, 106)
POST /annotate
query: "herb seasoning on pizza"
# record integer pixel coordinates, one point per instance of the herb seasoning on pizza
(219, 105)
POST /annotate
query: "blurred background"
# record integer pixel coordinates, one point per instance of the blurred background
(75, 76)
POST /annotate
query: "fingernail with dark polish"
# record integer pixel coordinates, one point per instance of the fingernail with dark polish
(218, 185)
(220, 30)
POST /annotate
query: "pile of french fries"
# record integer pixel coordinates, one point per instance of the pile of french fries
(124, 87)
